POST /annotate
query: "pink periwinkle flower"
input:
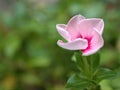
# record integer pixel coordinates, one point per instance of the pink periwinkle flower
(82, 34)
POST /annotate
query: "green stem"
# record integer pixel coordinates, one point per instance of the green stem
(87, 71)
(87, 68)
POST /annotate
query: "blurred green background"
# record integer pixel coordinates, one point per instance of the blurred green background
(29, 56)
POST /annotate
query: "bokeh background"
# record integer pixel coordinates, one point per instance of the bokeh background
(29, 56)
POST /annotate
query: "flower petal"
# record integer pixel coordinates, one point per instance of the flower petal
(86, 26)
(100, 25)
(95, 44)
(74, 20)
(77, 44)
(61, 30)
(72, 25)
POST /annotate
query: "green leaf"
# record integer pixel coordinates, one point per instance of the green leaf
(79, 60)
(95, 59)
(104, 73)
(77, 82)
(93, 62)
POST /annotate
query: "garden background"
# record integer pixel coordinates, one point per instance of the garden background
(29, 56)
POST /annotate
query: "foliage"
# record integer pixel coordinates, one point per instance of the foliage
(90, 73)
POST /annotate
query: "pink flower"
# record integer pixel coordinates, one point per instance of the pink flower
(82, 34)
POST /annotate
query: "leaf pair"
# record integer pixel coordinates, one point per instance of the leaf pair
(76, 82)
(87, 64)
(90, 73)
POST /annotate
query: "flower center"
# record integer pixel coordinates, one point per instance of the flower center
(89, 42)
